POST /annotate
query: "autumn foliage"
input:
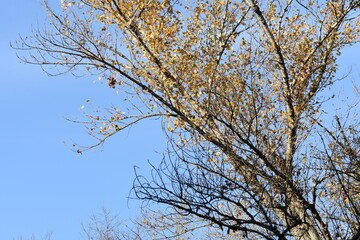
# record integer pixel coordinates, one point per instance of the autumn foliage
(240, 86)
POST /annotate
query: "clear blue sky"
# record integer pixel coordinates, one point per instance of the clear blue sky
(44, 186)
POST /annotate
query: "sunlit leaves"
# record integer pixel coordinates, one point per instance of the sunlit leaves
(239, 86)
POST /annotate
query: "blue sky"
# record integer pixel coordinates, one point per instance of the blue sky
(44, 186)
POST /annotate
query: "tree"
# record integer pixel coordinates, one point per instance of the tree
(149, 225)
(240, 86)
(47, 236)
